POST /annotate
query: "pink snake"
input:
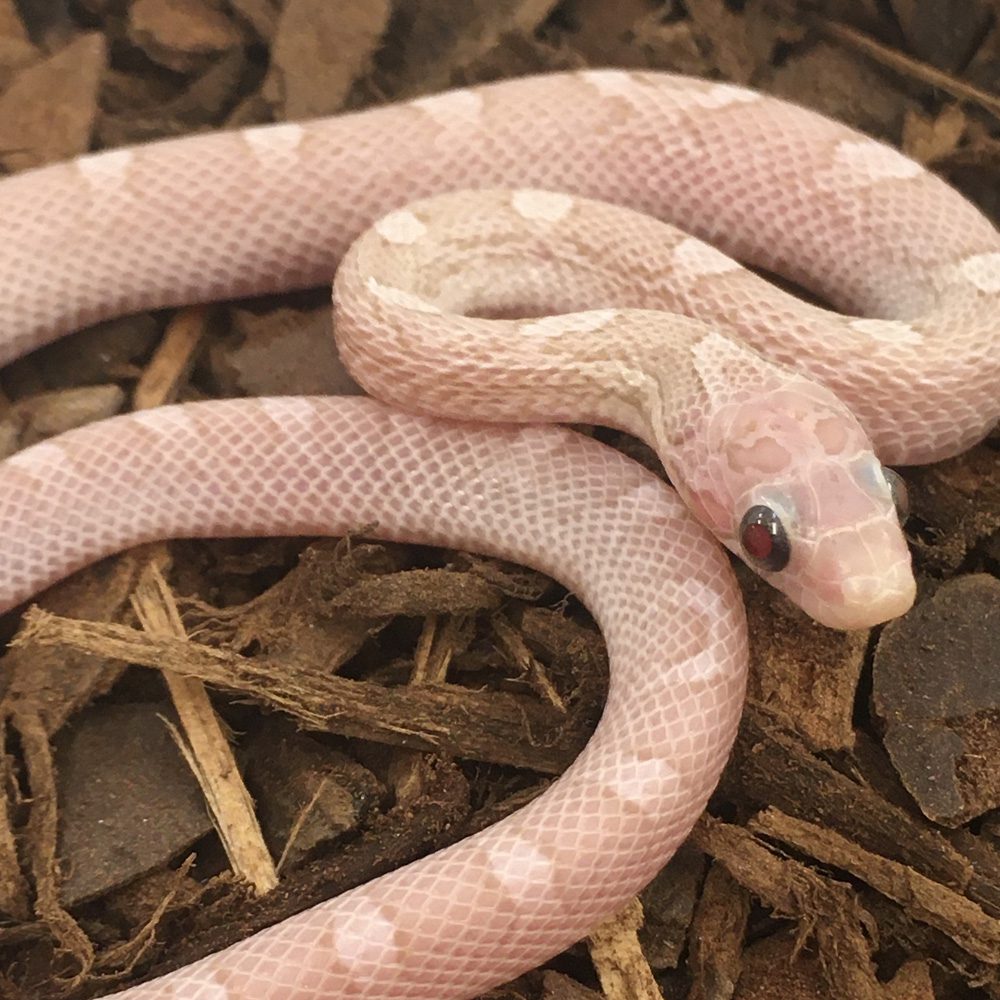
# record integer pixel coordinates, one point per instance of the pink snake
(915, 370)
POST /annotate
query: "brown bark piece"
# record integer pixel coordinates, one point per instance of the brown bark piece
(668, 904)
(127, 801)
(908, 67)
(11, 25)
(439, 40)
(282, 352)
(15, 55)
(306, 794)
(912, 982)
(771, 765)
(717, 935)
(319, 51)
(966, 923)
(801, 671)
(606, 33)
(49, 413)
(41, 849)
(15, 900)
(903, 934)
(982, 67)
(936, 685)
(54, 684)
(293, 617)
(943, 33)
(778, 968)
(828, 912)
(181, 34)
(556, 986)
(481, 725)
(741, 43)
(144, 108)
(675, 44)
(837, 82)
(47, 113)
(955, 506)
(415, 593)
(16, 49)
(262, 15)
(868, 14)
(113, 349)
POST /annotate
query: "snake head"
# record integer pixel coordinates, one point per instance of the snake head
(797, 492)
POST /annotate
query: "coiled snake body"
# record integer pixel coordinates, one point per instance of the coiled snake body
(543, 208)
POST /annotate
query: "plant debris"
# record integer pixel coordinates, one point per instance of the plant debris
(122, 815)
(936, 686)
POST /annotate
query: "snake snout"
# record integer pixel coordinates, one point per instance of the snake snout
(866, 602)
(869, 580)
(875, 600)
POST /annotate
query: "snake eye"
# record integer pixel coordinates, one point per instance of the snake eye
(900, 496)
(764, 539)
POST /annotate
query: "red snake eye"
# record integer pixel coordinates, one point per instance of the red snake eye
(764, 540)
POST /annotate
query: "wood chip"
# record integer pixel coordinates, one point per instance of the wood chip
(280, 352)
(319, 51)
(717, 936)
(936, 686)
(942, 33)
(955, 507)
(931, 138)
(800, 670)
(621, 966)
(828, 912)
(203, 741)
(181, 34)
(47, 112)
(127, 802)
(263, 15)
(167, 371)
(489, 726)
(307, 793)
(49, 413)
(442, 39)
(965, 922)
(668, 904)
(842, 84)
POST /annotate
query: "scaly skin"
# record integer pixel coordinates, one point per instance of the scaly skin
(913, 377)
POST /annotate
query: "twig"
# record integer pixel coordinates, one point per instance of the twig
(173, 359)
(205, 746)
(494, 726)
(618, 957)
(908, 66)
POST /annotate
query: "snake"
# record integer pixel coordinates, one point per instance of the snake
(600, 246)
